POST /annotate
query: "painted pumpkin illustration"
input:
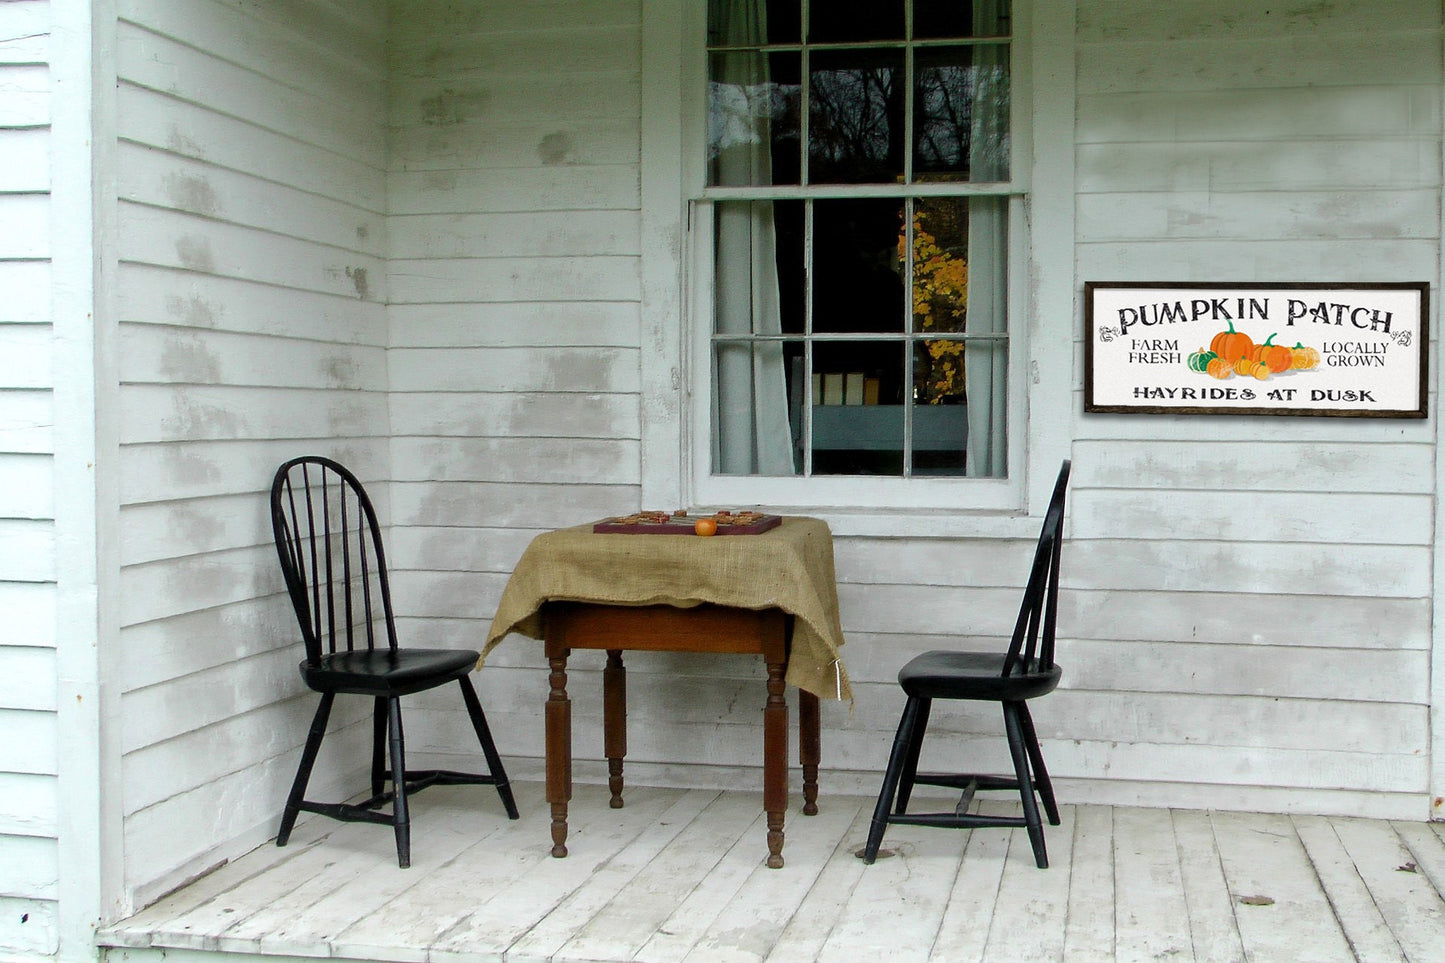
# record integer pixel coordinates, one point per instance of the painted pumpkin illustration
(1199, 360)
(1303, 359)
(1274, 356)
(1231, 345)
(1219, 368)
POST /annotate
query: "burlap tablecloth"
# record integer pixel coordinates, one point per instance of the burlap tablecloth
(789, 567)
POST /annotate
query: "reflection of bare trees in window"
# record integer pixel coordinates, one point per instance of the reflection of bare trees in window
(856, 121)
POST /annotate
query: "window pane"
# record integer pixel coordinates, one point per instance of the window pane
(841, 21)
(856, 116)
(757, 388)
(753, 119)
(940, 264)
(731, 22)
(960, 18)
(858, 408)
(961, 112)
(857, 277)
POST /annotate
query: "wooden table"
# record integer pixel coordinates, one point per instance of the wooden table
(701, 628)
(772, 594)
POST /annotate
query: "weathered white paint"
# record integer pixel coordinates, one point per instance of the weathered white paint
(250, 178)
(436, 240)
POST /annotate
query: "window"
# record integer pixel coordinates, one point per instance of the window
(855, 214)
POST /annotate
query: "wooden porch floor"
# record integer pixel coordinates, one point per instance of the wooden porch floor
(678, 875)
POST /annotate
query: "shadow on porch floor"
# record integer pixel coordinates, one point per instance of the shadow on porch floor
(678, 875)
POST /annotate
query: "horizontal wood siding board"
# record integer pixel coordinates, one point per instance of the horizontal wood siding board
(591, 278)
(162, 355)
(1211, 214)
(28, 805)
(603, 187)
(159, 413)
(1292, 61)
(161, 120)
(516, 324)
(156, 178)
(1286, 112)
(514, 234)
(27, 676)
(29, 609)
(1306, 164)
(24, 93)
(1127, 614)
(27, 351)
(25, 485)
(175, 296)
(1379, 467)
(332, 64)
(203, 469)
(530, 414)
(516, 144)
(30, 745)
(27, 160)
(204, 762)
(315, 116)
(1261, 259)
(540, 460)
(1138, 20)
(29, 869)
(530, 506)
(175, 239)
(1345, 518)
(204, 639)
(584, 370)
(27, 284)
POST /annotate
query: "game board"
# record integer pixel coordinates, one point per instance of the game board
(681, 523)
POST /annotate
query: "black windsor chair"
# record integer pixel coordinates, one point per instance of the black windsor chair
(1026, 671)
(331, 555)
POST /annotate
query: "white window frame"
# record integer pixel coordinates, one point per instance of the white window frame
(677, 296)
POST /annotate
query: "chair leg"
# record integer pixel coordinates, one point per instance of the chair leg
(1036, 758)
(489, 748)
(1014, 728)
(910, 761)
(901, 743)
(303, 771)
(378, 747)
(400, 818)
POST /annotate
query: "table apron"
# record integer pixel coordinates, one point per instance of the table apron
(667, 628)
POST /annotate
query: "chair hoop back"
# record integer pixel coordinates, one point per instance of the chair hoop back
(1032, 646)
(330, 547)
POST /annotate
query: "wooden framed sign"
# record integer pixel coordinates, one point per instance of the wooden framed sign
(1341, 350)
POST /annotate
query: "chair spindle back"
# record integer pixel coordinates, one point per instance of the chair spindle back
(1032, 646)
(329, 544)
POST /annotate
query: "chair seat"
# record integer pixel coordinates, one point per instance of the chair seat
(385, 672)
(973, 675)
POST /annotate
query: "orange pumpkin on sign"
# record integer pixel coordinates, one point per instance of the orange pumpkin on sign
(1231, 345)
(1275, 356)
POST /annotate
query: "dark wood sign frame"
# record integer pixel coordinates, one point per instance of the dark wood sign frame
(1344, 350)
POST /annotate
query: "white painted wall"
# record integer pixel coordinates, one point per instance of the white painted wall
(513, 188)
(410, 237)
(29, 866)
(251, 322)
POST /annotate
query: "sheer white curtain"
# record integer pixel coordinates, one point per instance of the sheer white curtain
(986, 362)
(751, 433)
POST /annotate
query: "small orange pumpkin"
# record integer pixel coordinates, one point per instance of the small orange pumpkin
(1231, 345)
(1276, 356)
(1219, 368)
(1303, 359)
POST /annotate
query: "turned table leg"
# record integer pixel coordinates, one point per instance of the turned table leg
(809, 749)
(559, 749)
(775, 762)
(614, 722)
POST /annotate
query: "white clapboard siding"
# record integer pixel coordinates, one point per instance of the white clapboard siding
(251, 180)
(29, 822)
(1232, 569)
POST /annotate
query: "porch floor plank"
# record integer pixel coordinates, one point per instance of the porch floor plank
(677, 876)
